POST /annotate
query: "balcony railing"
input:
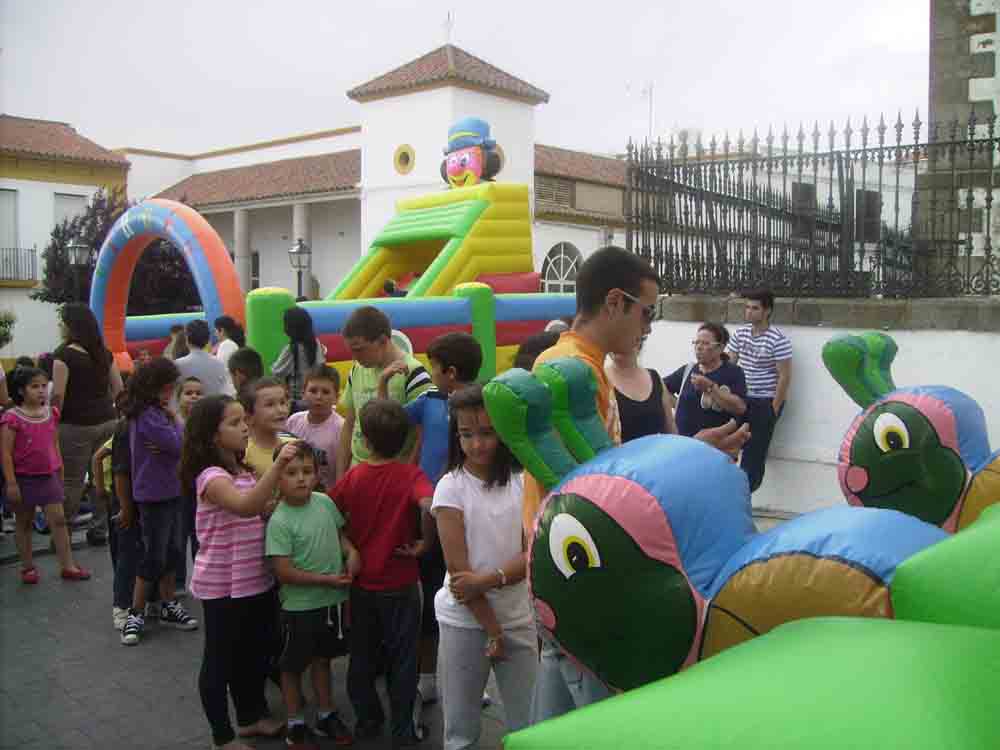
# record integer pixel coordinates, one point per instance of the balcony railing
(18, 264)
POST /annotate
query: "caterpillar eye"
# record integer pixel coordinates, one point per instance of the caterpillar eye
(891, 433)
(571, 546)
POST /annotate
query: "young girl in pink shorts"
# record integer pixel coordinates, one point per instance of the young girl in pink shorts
(33, 470)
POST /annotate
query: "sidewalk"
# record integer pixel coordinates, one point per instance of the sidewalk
(39, 542)
(67, 682)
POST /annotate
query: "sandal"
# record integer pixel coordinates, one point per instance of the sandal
(75, 574)
(30, 575)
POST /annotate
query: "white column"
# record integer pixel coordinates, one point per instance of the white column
(241, 236)
(302, 230)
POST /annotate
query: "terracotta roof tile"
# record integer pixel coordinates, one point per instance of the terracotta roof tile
(22, 136)
(447, 64)
(325, 173)
(579, 165)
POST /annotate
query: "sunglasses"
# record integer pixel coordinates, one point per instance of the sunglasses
(648, 311)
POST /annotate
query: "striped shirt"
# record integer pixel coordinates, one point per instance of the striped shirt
(759, 357)
(230, 559)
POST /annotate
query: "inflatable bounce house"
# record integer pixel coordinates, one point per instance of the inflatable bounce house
(462, 257)
(846, 627)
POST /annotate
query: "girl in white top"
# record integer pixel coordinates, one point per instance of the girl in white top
(231, 337)
(483, 609)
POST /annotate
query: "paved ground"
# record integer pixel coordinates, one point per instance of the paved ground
(67, 682)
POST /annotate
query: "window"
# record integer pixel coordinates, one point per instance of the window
(8, 218)
(560, 268)
(254, 270)
(554, 190)
(68, 207)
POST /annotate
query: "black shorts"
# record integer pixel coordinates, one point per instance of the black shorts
(310, 635)
(432, 570)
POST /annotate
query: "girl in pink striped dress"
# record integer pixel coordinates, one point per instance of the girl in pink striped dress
(230, 575)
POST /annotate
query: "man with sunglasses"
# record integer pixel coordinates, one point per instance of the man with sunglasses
(616, 295)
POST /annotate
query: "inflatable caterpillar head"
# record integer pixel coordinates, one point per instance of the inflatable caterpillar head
(471, 156)
(922, 450)
(623, 552)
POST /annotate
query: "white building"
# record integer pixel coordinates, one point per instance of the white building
(48, 172)
(337, 188)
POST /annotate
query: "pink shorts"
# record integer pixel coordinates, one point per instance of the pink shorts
(39, 489)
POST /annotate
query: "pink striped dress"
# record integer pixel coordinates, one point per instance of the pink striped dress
(230, 559)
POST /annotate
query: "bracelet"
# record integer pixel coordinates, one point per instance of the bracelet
(503, 578)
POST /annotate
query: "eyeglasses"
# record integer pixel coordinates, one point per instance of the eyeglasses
(648, 311)
(705, 344)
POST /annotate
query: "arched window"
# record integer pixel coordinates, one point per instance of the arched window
(560, 268)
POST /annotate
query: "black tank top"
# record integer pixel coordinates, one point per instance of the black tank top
(641, 418)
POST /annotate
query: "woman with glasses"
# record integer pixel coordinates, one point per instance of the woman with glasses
(644, 406)
(711, 390)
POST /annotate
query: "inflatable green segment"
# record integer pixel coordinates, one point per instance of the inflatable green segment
(483, 313)
(956, 581)
(821, 684)
(265, 310)
(861, 365)
(574, 406)
(520, 408)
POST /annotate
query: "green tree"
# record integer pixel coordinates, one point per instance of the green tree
(161, 283)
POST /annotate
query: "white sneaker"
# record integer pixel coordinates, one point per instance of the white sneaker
(119, 615)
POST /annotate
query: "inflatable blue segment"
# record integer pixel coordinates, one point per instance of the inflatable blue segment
(873, 539)
(329, 317)
(704, 495)
(154, 221)
(143, 328)
(515, 307)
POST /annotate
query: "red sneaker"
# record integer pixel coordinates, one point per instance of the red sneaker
(30, 575)
(76, 574)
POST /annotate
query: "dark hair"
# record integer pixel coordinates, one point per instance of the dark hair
(385, 425)
(45, 363)
(197, 333)
(199, 451)
(610, 268)
(181, 348)
(146, 383)
(719, 333)
(764, 296)
(504, 463)
(20, 379)
(24, 361)
(176, 328)
(368, 323)
(247, 361)
(303, 449)
(532, 346)
(458, 350)
(84, 331)
(233, 329)
(299, 329)
(248, 393)
(323, 372)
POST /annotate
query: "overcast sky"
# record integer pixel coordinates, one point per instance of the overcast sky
(193, 75)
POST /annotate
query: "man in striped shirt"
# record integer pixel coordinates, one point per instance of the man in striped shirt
(765, 354)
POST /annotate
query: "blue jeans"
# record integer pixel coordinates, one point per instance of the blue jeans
(126, 552)
(562, 686)
(187, 533)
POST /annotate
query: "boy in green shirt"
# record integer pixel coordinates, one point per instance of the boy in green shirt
(368, 334)
(308, 548)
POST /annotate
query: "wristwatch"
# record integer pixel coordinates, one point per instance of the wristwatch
(503, 578)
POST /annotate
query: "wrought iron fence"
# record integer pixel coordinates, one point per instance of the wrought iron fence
(18, 264)
(869, 213)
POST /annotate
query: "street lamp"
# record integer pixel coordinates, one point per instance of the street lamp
(79, 259)
(300, 256)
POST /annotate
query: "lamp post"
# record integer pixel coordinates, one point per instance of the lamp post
(300, 256)
(79, 259)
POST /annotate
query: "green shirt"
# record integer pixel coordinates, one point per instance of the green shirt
(362, 387)
(310, 536)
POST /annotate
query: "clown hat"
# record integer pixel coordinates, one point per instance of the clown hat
(469, 131)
